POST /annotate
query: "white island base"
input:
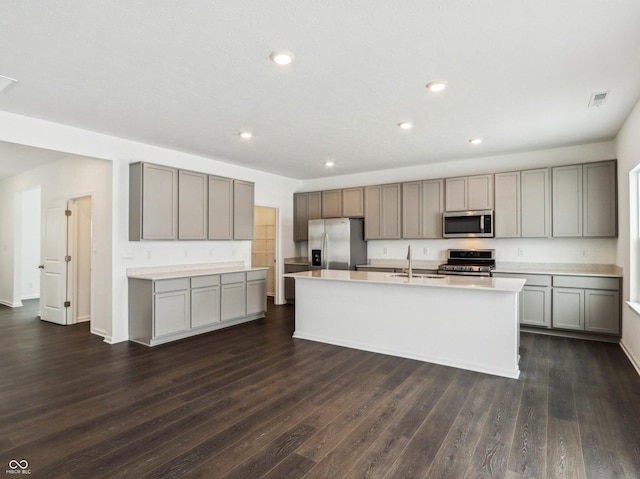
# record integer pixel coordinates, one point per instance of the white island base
(468, 323)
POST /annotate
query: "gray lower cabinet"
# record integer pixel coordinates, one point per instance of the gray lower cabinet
(172, 309)
(233, 296)
(535, 299)
(205, 300)
(165, 310)
(256, 292)
(587, 303)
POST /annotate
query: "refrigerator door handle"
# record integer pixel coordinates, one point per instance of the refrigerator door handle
(325, 255)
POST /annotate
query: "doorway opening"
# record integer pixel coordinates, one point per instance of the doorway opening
(27, 281)
(264, 244)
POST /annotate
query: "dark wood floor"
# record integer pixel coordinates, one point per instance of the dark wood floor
(251, 402)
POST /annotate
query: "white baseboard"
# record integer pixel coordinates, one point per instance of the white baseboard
(634, 362)
(84, 319)
(11, 304)
(99, 332)
(31, 296)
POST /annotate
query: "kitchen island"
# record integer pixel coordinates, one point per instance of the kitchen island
(460, 321)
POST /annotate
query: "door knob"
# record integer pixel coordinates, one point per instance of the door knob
(41, 266)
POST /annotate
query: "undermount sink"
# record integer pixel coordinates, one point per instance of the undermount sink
(420, 276)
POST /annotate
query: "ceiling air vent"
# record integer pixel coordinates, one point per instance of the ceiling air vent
(598, 99)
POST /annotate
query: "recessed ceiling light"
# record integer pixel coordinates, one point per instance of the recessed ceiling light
(475, 141)
(405, 125)
(437, 85)
(6, 82)
(246, 135)
(281, 57)
(329, 163)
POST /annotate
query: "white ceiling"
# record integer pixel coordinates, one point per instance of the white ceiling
(191, 75)
(15, 159)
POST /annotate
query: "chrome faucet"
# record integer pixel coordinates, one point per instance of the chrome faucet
(410, 266)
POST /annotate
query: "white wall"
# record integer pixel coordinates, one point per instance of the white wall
(628, 152)
(29, 222)
(271, 190)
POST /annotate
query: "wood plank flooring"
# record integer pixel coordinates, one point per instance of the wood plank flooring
(251, 402)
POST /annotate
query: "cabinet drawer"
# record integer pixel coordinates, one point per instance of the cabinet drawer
(532, 279)
(254, 275)
(586, 282)
(165, 285)
(204, 281)
(233, 278)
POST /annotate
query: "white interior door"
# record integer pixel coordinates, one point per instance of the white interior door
(53, 283)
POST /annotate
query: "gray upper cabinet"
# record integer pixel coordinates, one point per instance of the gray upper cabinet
(243, 209)
(153, 202)
(584, 200)
(469, 193)
(382, 211)
(567, 200)
(599, 203)
(220, 208)
(306, 206)
(353, 202)
(535, 198)
(332, 204)
(522, 204)
(507, 200)
(192, 205)
(422, 208)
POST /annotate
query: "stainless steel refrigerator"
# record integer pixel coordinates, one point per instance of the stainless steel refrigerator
(337, 243)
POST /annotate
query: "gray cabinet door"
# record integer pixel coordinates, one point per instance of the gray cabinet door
(300, 216)
(192, 205)
(412, 209)
(456, 194)
(243, 209)
(507, 211)
(602, 311)
(536, 306)
(332, 204)
(600, 208)
(373, 212)
(205, 306)
(233, 301)
(171, 312)
(159, 202)
(256, 296)
(391, 211)
(535, 201)
(353, 202)
(567, 200)
(315, 205)
(220, 208)
(568, 308)
(480, 192)
(432, 208)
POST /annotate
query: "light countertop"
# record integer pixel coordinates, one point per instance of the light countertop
(575, 269)
(304, 261)
(186, 273)
(465, 282)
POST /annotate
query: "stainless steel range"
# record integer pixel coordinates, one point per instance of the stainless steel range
(469, 262)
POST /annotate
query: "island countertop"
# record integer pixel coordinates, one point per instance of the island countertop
(467, 282)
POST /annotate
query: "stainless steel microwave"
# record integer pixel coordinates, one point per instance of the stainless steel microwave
(468, 224)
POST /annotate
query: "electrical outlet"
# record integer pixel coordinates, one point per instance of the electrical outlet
(385, 250)
(520, 252)
(425, 250)
(585, 253)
